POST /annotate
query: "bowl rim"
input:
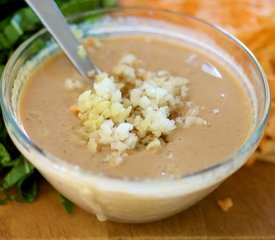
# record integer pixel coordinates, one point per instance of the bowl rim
(50, 158)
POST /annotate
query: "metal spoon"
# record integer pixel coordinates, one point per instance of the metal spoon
(52, 18)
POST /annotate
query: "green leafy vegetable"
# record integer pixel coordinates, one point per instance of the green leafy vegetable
(75, 6)
(1, 69)
(27, 188)
(108, 3)
(5, 159)
(19, 171)
(66, 203)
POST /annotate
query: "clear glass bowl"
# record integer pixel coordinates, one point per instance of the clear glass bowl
(135, 200)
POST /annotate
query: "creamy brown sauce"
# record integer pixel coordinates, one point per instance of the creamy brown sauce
(45, 101)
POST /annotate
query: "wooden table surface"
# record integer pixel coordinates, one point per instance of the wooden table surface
(252, 190)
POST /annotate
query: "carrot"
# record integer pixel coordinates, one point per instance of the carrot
(74, 109)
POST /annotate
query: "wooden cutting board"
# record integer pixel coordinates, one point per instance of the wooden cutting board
(252, 190)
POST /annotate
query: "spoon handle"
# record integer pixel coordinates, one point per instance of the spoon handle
(52, 18)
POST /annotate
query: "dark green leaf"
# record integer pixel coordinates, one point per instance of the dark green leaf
(38, 46)
(66, 203)
(27, 188)
(4, 41)
(5, 158)
(4, 22)
(5, 139)
(27, 20)
(13, 31)
(76, 6)
(1, 69)
(22, 169)
(109, 3)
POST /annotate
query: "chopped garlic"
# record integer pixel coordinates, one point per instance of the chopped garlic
(132, 109)
(192, 121)
(144, 102)
(154, 145)
(78, 34)
(81, 52)
(72, 84)
(129, 60)
(215, 111)
(170, 155)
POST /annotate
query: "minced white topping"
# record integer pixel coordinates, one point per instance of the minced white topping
(215, 111)
(134, 108)
(72, 84)
(81, 51)
(170, 155)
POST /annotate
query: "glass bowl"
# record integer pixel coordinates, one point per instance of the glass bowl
(136, 200)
